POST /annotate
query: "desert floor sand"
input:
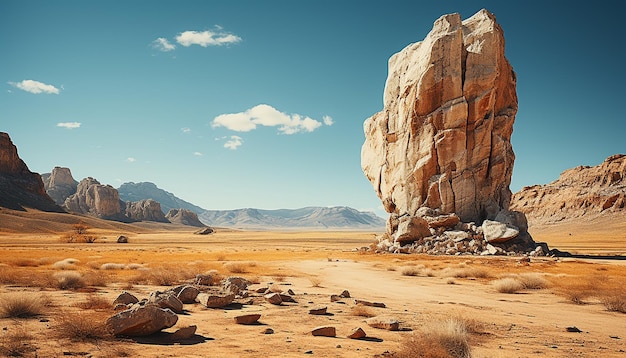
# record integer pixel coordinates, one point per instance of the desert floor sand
(417, 290)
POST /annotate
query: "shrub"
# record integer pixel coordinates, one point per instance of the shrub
(94, 302)
(315, 281)
(112, 266)
(68, 280)
(66, 264)
(446, 338)
(239, 267)
(81, 327)
(614, 303)
(21, 305)
(508, 285)
(533, 280)
(410, 271)
(362, 311)
(16, 342)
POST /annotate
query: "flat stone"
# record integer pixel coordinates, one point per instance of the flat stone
(318, 311)
(214, 301)
(273, 298)
(185, 332)
(324, 331)
(368, 303)
(357, 333)
(388, 323)
(247, 318)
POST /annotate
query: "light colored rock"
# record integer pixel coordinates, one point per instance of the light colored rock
(145, 210)
(442, 140)
(184, 333)
(410, 229)
(60, 184)
(125, 298)
(357, 333)
(188, 294)
(456, 235)
(324, 331)
(94, 199)
(235, 284)
(497, 232)
(447, 221)
(214, 301)
(388, 323)
(122, 239)
(141, 321)
(247, 318)
(187, 217)
(166, 300)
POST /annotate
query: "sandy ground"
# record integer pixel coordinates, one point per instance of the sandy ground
(314, 265)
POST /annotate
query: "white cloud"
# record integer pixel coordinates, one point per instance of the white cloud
(328, 120)
(69, 125)
(207, 38)
(131, 159)
(197, 154)
(185, 129)
(162, 44)
(234, 142)
(35, 87)
(268, 116)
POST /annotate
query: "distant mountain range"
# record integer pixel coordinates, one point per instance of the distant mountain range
(339, 217)
(146, 190)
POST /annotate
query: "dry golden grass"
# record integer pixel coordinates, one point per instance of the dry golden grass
(21, 305)
(94, 302)
(239, 267)
(362, 311)
(445, 338)
(16, 342)
(508, 285)
(82, 327)
(315, 281)
(68, 280)
(410, 271)
(168, 275)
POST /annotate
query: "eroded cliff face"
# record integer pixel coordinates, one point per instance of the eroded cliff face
(59, 184)
(95, 199)
(580, 192)
(145, 210)
(441, 145)
(19, 187)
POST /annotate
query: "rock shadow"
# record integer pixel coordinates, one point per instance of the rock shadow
(168, 339)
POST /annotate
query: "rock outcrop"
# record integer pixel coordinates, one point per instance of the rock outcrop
(59, 184)
(440, 149)
(145, 210)
(19, 187)
(184, 217)
(579, 192)
(95, 199)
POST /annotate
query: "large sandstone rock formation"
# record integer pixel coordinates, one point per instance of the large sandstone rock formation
(184, 217)
(440, 149)
(95, 199)
(145, 210)
(581, 192)
(59, 184)
(19, 187)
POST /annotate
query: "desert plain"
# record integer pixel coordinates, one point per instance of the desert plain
(500, 306)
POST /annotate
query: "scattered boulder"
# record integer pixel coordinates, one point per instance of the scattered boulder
(267, 331)
(184, 333)
(204, 280)
(274, 298)
(188, 294)
(125, 298)
(166, 300)
(235, 284)
(204, 231)
(357, 333)
(215, 301)
(497, 232)
(185, 217)
(335, 298)
(388, 323)
(345, 294)
(141, 320)
(324, 331)
(122, 239)
(320, 311)
(247, 318)
(368, 303)
(287, 298)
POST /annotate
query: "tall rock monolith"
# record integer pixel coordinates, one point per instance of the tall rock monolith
(440, 149)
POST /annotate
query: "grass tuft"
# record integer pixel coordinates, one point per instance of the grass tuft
(82, 327)
(446, 338)
(508, 285)
(362, 311)
(16, 342)
(68, 280)
(21, 305)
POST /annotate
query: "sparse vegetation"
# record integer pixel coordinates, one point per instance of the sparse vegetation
(410, 271)
(94, 302)
(508, 285)
(239, 267)
(68, 280)
(315, 281)
(440, 339)
(615, 302)
(16, 342)
(21, 305)
(163, 276)
(533, 280)
(66, 264)
(362, 311)
(78, 234)
(82, 327)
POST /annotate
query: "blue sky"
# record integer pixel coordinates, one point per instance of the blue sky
(233, 104)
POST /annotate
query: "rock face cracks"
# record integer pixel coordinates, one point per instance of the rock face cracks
(441, 145)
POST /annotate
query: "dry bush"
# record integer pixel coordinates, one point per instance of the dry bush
(614, 302)
(134, 266)
(410, 271)
(239, 267)
(279, 278)
(68, 280)
(315, 281)
(362, 311)
(16, 342)
(24, 262)
(446, 338)
(475, 272)
(391, 268)
(94, 302)
(21, 305)
(163, 276)
(82, 327)
(96, 279)
(112, 266)
(65, 264)
(508, 285)
(10, 276)
(450, 281)
(533, 280)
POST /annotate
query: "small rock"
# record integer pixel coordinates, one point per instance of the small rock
(345, 294)
(286, 298)
(214, 301)
(335, 298)
(368, 303)
(247, 318)
(185, 332)
(125, 298)
(290, 292)
(204, 280)
(318, 311)
(308, 352)
(122, 239)
(261, 290)
(274, 298)
(357, 333)
(324, 331)
(388, 323)
(267, 331)
(573, 329)
(188, 294)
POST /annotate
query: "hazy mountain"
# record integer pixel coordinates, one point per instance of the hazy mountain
(146, 190)
(338, 217)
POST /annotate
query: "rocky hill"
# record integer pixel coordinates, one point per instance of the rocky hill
(19, 187)
(146, 190)
(338, 217)
(59, 184)
(581, 192)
